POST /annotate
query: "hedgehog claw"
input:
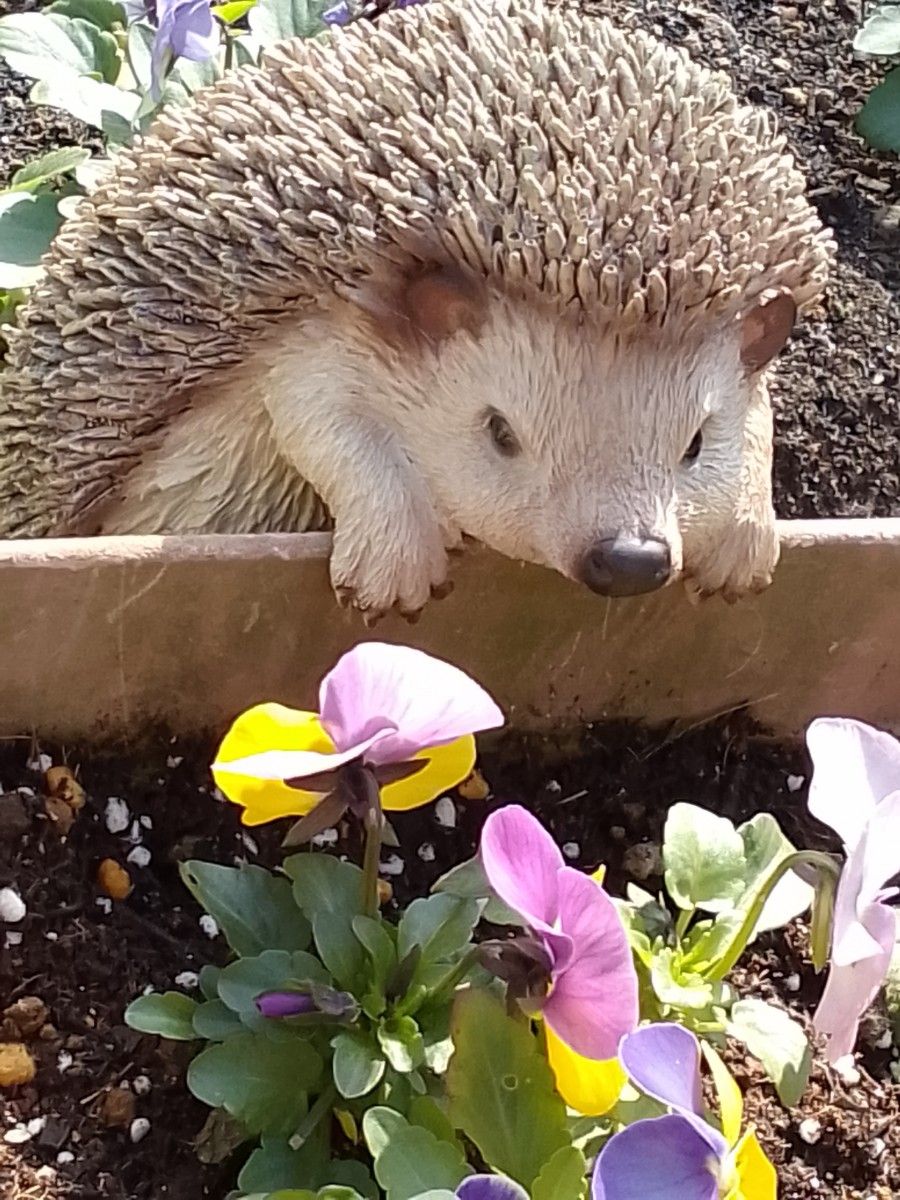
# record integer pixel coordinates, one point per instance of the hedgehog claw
(440, 591)
(412, 617)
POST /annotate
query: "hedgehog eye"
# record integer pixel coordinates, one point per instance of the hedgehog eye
(504, 440)
(693, 451)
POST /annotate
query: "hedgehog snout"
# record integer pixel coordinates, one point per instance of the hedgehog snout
(626, 566)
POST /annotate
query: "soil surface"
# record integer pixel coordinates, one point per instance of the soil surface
(837, 388)
(604, 794)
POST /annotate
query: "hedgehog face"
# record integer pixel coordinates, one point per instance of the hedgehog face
(620, 463)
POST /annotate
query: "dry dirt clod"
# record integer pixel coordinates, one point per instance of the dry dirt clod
(475, 787)
(16, 1065)
(114, 880)
(14, 818)
(26, 1017)
(117, 1108)
(60, 814)
(61, 784)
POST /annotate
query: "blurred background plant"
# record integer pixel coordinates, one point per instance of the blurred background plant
(879, 118)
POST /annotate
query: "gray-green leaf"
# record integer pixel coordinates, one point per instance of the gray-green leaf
(439, 925)
(51, 47)
(704, 859)
(243, 980)
(414, 1161)
(28, 225)
(260, 1083)
(777, 1041)
(215, 1021)
(90, 100)
(358, 1066)
(765, 846)
(254, 909)
(880, 34)
(401, 1043)
(167, 1014)
(879, 118)
(274, 20)
(562, 1177)
(47, 167)
(330, 894)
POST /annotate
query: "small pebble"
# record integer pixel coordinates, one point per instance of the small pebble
(187, 979)
(141, 1085)
(64, 1060)
(45, 1174)
(846, 1068)
(118, 818)
(249, 844)
(617, 832)
(104, 904)
(792, 982)
(13, 938)
(571, 850)
(174, 760)
(445, 813)
(17, 1136)
(810, 1130)
(328, 837)
(36, 1125)
(12, 906)
(877, 1147)
(554, 786)
(64, 1157)
(140, 856)
(146, 821)
(795, 782)
(392, 865)
(209, 925)
(41, 764)
(643, 860)
(884, 1042)
(51, 935)
(140, 1127)
(426, 852)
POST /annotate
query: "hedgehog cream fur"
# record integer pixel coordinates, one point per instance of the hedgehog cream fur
(483, 268)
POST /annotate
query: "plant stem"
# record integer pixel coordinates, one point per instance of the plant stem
(320, 1109)
(684, 919)
(813, 858)
(372, 822)
(455, 974)
(229, 50)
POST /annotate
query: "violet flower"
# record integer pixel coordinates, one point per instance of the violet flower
(855, 788)
(185, 29)
(679, 1155)
(302, 1002)
(578, 950)
(490, 1187)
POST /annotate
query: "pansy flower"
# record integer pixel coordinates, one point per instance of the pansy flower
(680, 1154)
(855, 788)
(573, 966)
(398, 713)
(184, 29)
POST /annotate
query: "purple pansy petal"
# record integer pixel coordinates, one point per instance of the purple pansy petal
(594, 1000)
(663, 1060)
(284, 1004)
(851, 989)
(295, 764)
(522, 863)
(658, 1159)
(855, 766)
(490, 1187)
(337, 14)
(186, 29)
(428, 701)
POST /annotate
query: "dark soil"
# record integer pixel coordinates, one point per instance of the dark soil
(838, 387)
(604, 794)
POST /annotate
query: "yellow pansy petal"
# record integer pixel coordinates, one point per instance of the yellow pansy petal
(447, 766)
(731, 1102)
(600, 874)
(588, 1086)
(269, 727)
(756, 1175)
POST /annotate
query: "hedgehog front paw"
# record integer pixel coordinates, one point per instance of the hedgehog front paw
(399, 564)
(743, 562)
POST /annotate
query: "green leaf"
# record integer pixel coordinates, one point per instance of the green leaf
(246, 978)
(401, 1043)
(232, 11)
(380, 1124)
(47, 167)
(275, 1165)
(254, 908)
(215, 1021)
(262, 1084)
(765, 846)
(379, 945)
(880, 35)
(87, 99)
(28, 225)
(169, 1015)
(357, 1065)
(55, 47)
(879, 118)
(414, 1161)
(440, 926)
(777, 1041)
(678, 986)
(562, 1177)
(105, 14)
(501, 1090)
(186, 78)
(468, 881)
(209, 981)
(330, 893)
(704, 859)
(274, 20)
(425, 1111)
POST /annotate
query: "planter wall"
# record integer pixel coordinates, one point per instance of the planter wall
(100, 637)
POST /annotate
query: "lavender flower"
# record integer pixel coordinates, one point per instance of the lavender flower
(185, 29)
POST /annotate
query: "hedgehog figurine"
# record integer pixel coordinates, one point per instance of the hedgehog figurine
(488, 269)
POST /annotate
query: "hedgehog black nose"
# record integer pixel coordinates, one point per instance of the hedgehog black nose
(626, 566)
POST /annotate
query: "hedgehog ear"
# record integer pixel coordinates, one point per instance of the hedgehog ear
(443, 301)
(766, 329)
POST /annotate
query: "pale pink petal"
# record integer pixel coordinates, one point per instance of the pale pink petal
(429, 701)
(881, 848)
(522, 862)
(295, 764)
(594, 1002)
(851, 989)
(869, 866)
(855, 766)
